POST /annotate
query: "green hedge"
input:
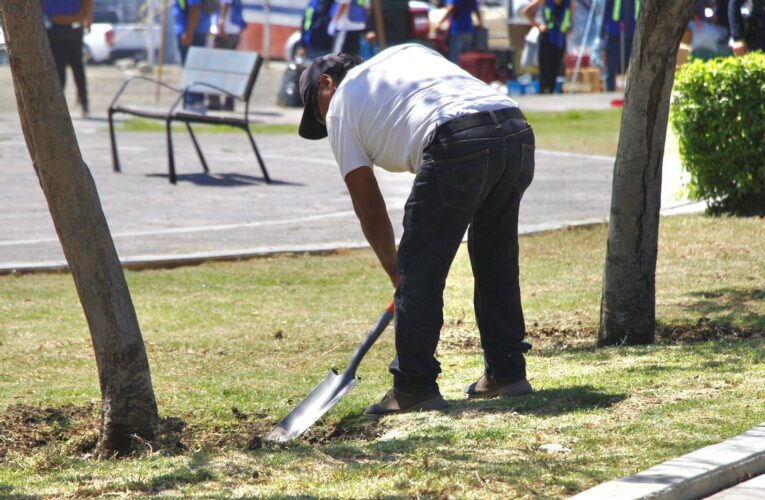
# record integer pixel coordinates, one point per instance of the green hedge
(718, 115)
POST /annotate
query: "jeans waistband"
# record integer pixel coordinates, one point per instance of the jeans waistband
(477, 120)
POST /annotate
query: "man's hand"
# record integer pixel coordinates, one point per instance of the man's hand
(740, 48)
(369, 206)
(195, 12)
(222, 21)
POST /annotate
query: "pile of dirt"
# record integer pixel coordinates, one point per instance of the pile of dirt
(25, 428)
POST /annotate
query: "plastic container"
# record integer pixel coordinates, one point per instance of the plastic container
(515, 88)
(481, 65)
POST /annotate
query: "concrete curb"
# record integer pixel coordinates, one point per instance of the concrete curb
(139, 262)
(695, 475)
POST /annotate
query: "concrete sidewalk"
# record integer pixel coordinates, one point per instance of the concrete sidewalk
(722, 470)
(232, 212)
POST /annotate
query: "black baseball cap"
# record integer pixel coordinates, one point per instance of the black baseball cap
(310, 128)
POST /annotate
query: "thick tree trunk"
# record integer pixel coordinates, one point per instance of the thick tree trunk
(129, 406)
(628, 303)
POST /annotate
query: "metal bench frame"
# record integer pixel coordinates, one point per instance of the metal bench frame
(176, 113)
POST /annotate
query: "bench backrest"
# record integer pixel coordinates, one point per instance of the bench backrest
(231, 70)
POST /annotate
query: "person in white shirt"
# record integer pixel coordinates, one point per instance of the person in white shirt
(408, 109)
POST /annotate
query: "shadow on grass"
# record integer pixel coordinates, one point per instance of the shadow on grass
(6, 491)
(225, 180)
(731, 305)
(541, 403)
(192, 473)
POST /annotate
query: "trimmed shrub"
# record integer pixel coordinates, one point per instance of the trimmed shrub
(718, 115)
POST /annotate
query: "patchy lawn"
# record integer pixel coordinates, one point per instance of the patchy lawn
(234, 346)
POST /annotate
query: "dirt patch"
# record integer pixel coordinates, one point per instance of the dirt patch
(464, 337)
(246, 432)
(25, 428)
(704, 330)
(349, 429)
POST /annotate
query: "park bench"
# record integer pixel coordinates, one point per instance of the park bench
(210, 71)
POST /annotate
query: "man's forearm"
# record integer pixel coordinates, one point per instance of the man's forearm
(370, 208)
(193, 20)
(378, 231)
(87, 7)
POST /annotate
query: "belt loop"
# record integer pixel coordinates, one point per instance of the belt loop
(494, 120)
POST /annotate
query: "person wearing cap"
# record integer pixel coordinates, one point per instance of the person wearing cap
(408, 109)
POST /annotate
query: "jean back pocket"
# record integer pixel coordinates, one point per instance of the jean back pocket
(461, 180)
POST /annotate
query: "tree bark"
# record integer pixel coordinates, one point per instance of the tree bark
(128, 403)
(628, 301)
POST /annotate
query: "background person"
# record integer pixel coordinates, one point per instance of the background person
(192, 25)
(348, 23)
(747, 34)
(618, 32)
(553, 30)
(67, 20)
(230, 24)
(459, 13)
(315, 41)
(410, 110)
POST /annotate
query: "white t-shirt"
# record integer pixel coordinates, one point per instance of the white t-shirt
(385, 110)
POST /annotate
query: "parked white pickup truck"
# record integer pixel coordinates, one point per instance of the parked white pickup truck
(123, 29)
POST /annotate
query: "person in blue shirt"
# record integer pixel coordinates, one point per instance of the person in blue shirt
(66, 22)
(553, 30)
(192, 25)
(618, 31)
(230, 23)
(748, 34)
(315, 39)
(461, 29)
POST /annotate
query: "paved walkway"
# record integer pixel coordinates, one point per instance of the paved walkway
(232, 212)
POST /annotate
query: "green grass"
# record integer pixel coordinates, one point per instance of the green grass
(584, 132)
(141, 125)
(259, 335)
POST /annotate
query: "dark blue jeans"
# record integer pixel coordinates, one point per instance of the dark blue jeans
(198, 40)
(472, 177)
(614, 65)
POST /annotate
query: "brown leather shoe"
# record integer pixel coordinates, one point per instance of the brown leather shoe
(486, 388)
(396, 401)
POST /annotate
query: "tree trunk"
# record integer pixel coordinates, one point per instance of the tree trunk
(628, 302)
(128, 403)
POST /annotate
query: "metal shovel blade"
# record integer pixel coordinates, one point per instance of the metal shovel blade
(329, 391)
(311, 409)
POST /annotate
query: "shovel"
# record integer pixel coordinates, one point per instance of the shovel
(329, 391)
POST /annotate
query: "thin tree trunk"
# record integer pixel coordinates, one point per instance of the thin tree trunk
(628, 302)
(128, 403)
